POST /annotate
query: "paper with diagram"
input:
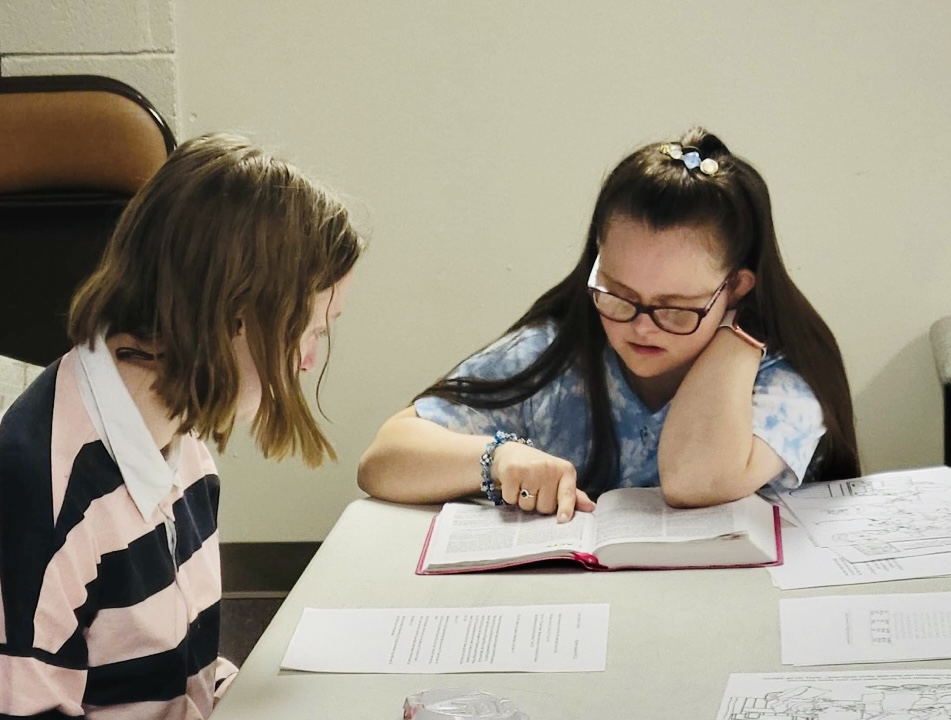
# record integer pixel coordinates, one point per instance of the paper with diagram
(809, 565)
(887, 515)
(884, 695)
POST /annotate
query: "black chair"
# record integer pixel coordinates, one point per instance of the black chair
(941, 347)
(73, 151)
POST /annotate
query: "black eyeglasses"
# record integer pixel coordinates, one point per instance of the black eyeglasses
(675, 320)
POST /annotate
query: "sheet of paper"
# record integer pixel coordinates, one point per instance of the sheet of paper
(871, 551)
(531, 638)
(807, 565)
(887, 515)
(893, 484)
(846, 629)
(866, 695)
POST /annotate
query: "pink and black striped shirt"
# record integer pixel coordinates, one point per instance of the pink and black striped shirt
(110, 578)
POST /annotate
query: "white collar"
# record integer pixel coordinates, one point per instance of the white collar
(147, 474)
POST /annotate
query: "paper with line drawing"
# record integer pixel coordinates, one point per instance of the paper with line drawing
(876, 695)
(809, 565)
(887, 515)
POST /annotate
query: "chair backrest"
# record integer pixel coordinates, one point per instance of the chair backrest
(73, 151)
(940, 336)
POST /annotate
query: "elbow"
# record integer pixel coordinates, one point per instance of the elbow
(683, 495)
(366, 478)
(377, 475)
(697, 490)
(687, 482)
(382, 465)
(682, 488)
(363, 479)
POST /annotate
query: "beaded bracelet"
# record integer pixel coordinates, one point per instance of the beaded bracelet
(489, 486)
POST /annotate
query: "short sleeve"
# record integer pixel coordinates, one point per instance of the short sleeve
(504, 358)
(787, 417)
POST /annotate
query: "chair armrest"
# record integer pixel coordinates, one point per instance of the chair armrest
(941, 347)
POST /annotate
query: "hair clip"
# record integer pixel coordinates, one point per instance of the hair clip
(131, 353)
(690, 157)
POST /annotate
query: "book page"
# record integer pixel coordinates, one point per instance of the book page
(865, 628)
(532, 638)
(466, 534)
(866, 695)
(641, 515)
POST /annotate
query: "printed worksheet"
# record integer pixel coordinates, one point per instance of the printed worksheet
(807, 565)
(531, 638)
(884, 695)
(846, 629)
(887, 515)
(893, 484)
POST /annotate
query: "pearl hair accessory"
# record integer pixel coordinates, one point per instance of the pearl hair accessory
(690, 157)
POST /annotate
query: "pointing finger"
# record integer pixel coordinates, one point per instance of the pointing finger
(567, 494)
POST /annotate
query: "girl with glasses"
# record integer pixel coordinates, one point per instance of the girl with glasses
(211, 299)
(677, 353)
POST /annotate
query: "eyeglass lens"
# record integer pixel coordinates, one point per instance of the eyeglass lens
(674, 320)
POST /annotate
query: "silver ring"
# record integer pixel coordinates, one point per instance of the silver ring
(525, 494)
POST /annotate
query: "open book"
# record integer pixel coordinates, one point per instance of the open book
(632, 528)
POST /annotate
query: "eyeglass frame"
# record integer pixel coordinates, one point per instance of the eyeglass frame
(649, 310)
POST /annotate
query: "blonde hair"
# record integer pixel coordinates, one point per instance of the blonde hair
(222, 235)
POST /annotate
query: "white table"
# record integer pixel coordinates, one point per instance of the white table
(675, 636)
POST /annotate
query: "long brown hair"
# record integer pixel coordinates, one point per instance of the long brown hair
(648, 186)
(223, 234)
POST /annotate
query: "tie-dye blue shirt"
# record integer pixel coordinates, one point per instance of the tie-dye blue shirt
(786, 414)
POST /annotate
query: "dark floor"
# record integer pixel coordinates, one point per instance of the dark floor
(255, 579)
(242, 622)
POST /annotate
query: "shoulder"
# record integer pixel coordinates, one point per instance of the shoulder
(25, 428)
(197, 470)
(34, 405)
(530, 340)
(777, 377)
(196, 459)
(510, 354)
(783, 399)
(788, 417)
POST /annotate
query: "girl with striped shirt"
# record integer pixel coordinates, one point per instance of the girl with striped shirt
(214, 293)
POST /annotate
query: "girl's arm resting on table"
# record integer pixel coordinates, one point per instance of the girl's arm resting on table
(708, 454)
(413, 460)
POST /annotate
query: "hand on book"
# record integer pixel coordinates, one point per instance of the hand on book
(549, 483)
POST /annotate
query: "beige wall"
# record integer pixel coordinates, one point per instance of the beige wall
(471, 136)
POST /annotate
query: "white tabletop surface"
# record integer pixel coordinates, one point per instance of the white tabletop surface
(675, 636)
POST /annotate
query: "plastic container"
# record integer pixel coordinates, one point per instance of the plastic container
(459, 704)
